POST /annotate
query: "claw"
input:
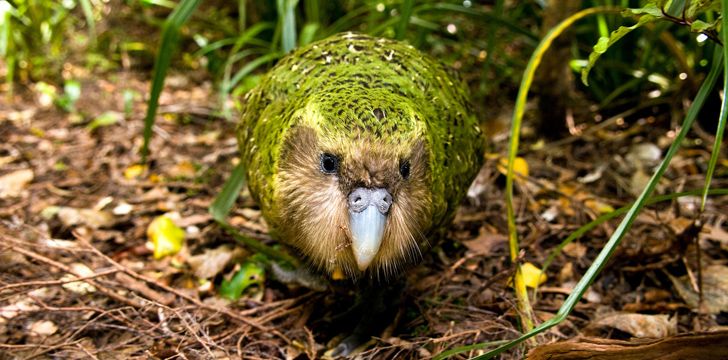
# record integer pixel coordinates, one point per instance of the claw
(351, 345)
(299, 276)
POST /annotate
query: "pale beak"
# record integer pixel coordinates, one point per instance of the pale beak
(368, 210)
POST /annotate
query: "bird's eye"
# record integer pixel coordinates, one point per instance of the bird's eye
(329, 163)
(404, 169)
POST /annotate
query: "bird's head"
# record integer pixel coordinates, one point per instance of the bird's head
(353, 184)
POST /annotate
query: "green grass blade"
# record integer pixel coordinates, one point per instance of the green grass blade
(249, 67)
(492, 40)
(632, 213)
(346, 21)
(245, 38)
(230, 81)
(226, 85)
(220, 209)
(485, 17)
(478, 346)
(383, 26)
(528, 75)
(250, 34)
(405, 14)
(7, 51)
(224, 201)
(313, 13)
(170, 33)
(219, 44)
(424, 24)
(723, 111)
(161, 3)
(287, 19)
(257, 246)
(234, 58)
(242, 15)
(618, 212)
(88, 13)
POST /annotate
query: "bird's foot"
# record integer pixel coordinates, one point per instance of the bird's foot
(349, 346)
(376, 312)
(298, 276)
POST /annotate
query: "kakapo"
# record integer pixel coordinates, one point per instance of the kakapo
(356, 149)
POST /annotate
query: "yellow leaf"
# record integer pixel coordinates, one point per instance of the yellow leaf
(598, 206)
(166, 237)
(520, 166)
(532, 276)
(567, 189)
(185, 169)
(135, 171)
(37, 132)
(156, 178)
(539, 145)
(337, 274)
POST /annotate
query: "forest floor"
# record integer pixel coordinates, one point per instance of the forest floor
(74, 204)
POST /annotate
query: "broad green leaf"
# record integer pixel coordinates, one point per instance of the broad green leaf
(48, 93)
(698, 7)
(250, 273)
(649, 9)
(128, 95)
(700, 26)
(604, 43)
(72, 89)
(105, 119)
(71, 94)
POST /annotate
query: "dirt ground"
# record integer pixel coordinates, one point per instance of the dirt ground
(71, 206)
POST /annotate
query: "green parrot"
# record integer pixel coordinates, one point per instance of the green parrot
(357, 149)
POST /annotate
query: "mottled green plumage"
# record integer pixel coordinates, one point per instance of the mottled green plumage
(356, 93)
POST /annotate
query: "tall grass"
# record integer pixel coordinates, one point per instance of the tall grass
(717, 65)
(168, 44)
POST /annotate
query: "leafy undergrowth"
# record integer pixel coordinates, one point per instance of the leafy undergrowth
(74, 204)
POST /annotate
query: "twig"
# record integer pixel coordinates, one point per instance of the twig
(66, 269)
(56, 282)
(78, 345)
(167, 288)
